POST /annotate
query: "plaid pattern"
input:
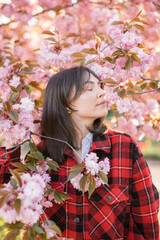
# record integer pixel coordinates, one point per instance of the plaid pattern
(126, 209)
(5, 163)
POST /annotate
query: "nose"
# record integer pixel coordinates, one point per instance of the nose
(101, 92)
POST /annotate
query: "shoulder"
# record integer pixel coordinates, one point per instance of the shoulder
(124, 141)
(118, 135)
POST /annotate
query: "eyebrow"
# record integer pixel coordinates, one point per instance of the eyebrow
(91, 82)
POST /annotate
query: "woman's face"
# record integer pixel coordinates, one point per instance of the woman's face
(91, 104)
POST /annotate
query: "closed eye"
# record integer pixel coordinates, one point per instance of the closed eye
(101, 85)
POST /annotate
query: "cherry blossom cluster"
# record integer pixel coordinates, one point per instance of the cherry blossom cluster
(12, 133)
(71, 29)
(30, 194)
(94, 167)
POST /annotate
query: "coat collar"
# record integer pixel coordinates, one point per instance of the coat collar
(99, 143)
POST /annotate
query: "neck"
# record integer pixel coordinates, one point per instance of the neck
(81, 132)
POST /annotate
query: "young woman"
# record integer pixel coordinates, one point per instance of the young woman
(126, 208)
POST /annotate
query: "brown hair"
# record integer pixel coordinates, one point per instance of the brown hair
(56, 121)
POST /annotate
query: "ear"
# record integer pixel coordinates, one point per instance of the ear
(69, 110)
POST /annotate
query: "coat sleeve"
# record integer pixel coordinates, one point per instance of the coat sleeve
(144, 202)
(6, 160)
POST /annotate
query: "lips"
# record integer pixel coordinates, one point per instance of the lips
(101, 103)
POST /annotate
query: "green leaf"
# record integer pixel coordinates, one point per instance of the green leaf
(38, 229)
(90, 61)
(82, 63)
(51, 39)
(13, 183)
(8, 105)
(153, 85)
(17, 205)
(140, 27)
(28, 90)
(128, 26)
(83, 182)
(109, 80)
(26, 235)
(4, 198)
(13, 115)
(131, 92)
(48, 33)
(49, 222)
(36, 155)
(78, 60)
(110, 60)
(14, 96)
(12, 235)
(16, 177)
(92, 187)
(20, 165)
(53, 165)
(32, 146)
(77, 167)
(89, 50)
(31, 166)
(128, 64)
(42, 236)
(13, 89)
(63, 195)
(32, 234)
(47, 192)
(57, 197)
(73, 174)
(55, 228)
(17, 225)
(121, 93)
(117, 22)
(137, 88)
(78, 54)
(135, 58)
(143, 86)
(103, 176)
(140, 45)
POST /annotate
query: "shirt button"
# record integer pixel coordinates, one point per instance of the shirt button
(76, 220)
(108, 198)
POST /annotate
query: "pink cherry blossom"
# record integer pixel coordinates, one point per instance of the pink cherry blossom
(123, 105)
(104, 166)
(49, 231)
(30, 194)
(75, 181)
(15, 81)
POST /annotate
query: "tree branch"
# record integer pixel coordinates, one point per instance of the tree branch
(156, 4)
(150, 79)
(14, 149)
(56, 139)
(147, 91)
(44, 11)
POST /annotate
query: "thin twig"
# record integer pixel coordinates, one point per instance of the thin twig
(147, 91)
(106, 46)
(14, 149)
(150, 79)
(156, 4)
(21, 72)
(102, 3)
(56, 139)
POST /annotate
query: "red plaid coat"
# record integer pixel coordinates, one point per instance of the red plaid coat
(126, 209)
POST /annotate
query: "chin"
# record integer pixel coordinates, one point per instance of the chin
(105, 113)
